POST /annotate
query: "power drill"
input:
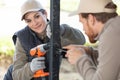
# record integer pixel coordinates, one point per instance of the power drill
(39, 51)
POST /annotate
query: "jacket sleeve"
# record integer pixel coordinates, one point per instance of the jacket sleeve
(93, 54)
(70, 35)
(21, 67)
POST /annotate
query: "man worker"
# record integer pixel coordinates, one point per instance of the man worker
(101, 23)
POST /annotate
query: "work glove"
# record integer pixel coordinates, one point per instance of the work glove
(49, 33)
(37, 64)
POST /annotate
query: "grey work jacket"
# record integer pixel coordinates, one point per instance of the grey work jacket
(109, 55)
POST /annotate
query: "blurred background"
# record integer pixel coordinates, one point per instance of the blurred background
(10, 22)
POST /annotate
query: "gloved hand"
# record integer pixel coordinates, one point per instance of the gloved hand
(49, 33)
(37, 64)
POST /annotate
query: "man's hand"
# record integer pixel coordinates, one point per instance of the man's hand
(74, 52)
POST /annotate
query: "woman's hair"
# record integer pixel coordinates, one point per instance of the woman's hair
(42, 11)
(103, 16)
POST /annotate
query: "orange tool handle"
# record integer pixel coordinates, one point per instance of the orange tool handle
(40, 73)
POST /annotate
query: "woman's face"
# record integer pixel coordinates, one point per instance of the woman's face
(37, 21)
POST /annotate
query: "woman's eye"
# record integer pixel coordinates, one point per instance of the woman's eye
(27, 21)
(37, 16)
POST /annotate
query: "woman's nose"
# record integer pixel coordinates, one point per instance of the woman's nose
(34, 22)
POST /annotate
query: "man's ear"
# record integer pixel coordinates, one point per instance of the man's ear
(91, 19)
